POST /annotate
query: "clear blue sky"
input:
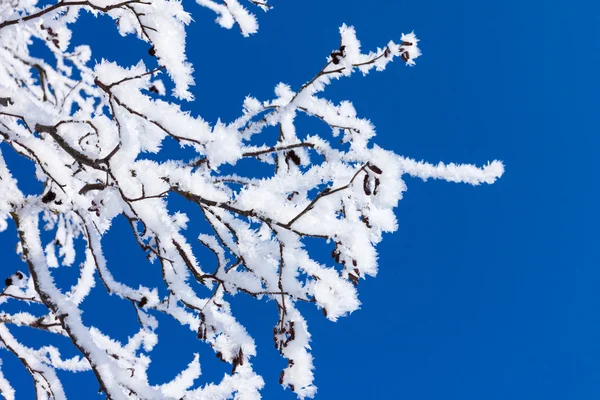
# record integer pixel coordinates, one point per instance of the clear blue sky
(483, 293)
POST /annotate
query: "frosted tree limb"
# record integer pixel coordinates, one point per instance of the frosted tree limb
(88, 130)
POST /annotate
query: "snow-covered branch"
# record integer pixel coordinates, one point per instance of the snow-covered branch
(86, 129)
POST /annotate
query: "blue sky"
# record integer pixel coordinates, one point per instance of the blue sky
(484, 292)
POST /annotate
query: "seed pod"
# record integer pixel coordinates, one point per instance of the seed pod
(405, 56)
(235, 364)
(367, 185)
(281, 376)
(386, 52)
(294, 157)
(375, 168)
(8, 281)
(48, 197)
(377, 182)
(292, 388)
(153, 89)
(19, 275)
(152, 51)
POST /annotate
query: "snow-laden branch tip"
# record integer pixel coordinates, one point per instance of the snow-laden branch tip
(465, 173)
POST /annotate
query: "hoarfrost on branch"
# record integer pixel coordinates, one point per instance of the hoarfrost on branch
(85, 128)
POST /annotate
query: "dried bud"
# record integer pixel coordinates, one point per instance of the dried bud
(153, 89)
(6, 101)
(8, 281)
(19, 274)
(152, 51)
(325, 312)
(143, 302)
(405, 56)
(48, 197)
(365, 221)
